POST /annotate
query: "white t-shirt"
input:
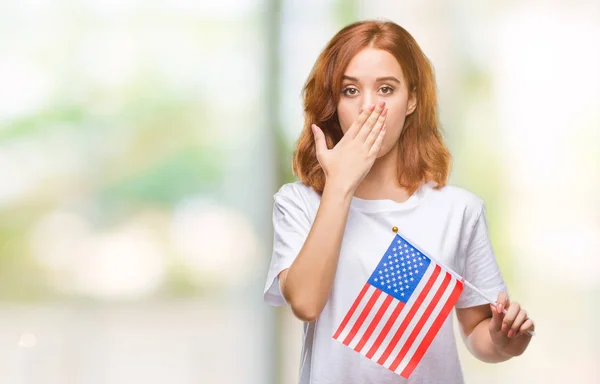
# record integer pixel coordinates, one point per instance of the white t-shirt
(448, 225)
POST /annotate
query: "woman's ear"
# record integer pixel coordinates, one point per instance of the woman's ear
(412, 103)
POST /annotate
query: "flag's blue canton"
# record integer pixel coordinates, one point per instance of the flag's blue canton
(400, 270)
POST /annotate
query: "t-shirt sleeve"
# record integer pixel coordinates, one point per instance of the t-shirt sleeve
(290, 229)
(481, 268)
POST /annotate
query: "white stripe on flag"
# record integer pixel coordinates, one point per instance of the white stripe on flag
(376, 334)
(361, 306)
(404, 313)
(428, 323)
(438, 281)
(361, 331)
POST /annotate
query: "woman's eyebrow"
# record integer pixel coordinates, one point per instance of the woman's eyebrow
(346, 77)
(387, 78)
(377, 80)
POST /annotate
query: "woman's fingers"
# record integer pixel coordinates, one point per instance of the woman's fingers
(511, 315)
(516, 325)
(514, 322)
(497, 315)
(502, 301)
(352, 160)
(374, 134)
(362, 118)
(378, 142)
(320, 142)
(496, 322)
(365, 129)
(527, 325)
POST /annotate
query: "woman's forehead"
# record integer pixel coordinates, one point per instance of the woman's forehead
(372, 63)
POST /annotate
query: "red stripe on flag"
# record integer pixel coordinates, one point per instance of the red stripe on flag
(363, 316)
(424, 317)
(435, 327)
(413, 309)
(385, 329)
(351, 311)
(374, 322)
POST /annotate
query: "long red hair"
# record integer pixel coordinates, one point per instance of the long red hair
(423, 156)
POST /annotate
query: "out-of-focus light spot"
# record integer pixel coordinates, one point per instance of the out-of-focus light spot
(27, 340)
(58, 238)
(25, 163)
(122, 50)
(25, 87)
(123, 264)
(215, 242)
(17, 176)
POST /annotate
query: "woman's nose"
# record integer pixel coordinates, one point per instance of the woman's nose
(368, 101)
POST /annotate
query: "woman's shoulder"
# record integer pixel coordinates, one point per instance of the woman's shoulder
(458, 197)
(297, 191)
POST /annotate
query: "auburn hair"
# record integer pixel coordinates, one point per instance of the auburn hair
(423, 156)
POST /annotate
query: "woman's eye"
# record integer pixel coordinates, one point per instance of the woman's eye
(387, 90)
(350, 91)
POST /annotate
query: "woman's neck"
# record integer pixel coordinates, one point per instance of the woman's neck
(382, 180)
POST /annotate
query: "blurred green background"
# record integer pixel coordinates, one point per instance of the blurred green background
(141, 143)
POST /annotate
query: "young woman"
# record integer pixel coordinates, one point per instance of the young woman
(372, 165)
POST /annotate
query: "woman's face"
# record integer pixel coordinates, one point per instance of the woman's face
(374, 75)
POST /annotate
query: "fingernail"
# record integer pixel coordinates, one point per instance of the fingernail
(503, 327)
(511, 333)
(499, 308)
(382, 104)
(372, 107)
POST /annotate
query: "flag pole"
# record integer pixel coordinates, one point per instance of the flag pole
(491, 301)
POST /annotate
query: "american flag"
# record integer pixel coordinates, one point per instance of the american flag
(400, 309)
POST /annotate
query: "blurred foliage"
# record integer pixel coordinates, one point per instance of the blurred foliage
(144, 153)
(21, 278)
